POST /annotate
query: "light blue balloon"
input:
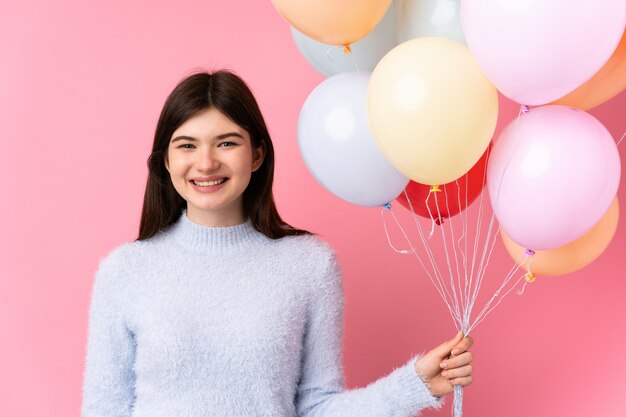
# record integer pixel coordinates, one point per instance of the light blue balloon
(330, 60)
(418, 18)
(338, 146)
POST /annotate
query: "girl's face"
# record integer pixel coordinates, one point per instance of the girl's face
(210, 160)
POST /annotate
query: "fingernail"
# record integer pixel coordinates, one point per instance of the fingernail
(444, 374)
(455, 352)
(444, 364)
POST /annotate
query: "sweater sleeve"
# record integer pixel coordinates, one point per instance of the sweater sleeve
(108, 386)
(321, 391)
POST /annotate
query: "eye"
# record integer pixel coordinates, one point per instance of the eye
(227, 144)
(186, 144)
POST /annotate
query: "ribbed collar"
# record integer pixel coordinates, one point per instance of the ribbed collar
(208, 239)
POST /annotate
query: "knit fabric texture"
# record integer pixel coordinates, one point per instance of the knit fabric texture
(202, 321)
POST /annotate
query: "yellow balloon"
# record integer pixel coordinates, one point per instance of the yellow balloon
(431, 109)
(334, 22)
(573, 256)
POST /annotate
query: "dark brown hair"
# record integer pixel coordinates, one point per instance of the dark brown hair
(225, 91)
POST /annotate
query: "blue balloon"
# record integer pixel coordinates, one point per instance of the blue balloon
(338, 146)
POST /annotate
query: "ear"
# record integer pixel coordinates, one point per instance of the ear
(258, 155)
(166, 162)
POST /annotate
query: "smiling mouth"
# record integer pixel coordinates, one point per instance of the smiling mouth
(209, 183)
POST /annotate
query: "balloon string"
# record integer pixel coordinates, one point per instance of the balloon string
(445, 247)
(620, 140)
(479, 282)
(483, 265)
(456, 257)
(479, 223)
(329, 50)
(464, 214)
(469, 300)
(463, 237)
(481, 270)
(354, 62)
(484, 271)
(437, 280)
(521, 292)
(430, 214)
(532, 258)
(426, 246)
(478, 321)
(486, 309)
(457, 404)
(530, 263)
(387, 207)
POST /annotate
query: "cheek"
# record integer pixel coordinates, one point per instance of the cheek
(177, 164)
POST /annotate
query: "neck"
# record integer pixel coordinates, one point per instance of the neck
(230, 216)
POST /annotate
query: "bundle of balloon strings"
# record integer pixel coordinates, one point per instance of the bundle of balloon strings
(457, 269)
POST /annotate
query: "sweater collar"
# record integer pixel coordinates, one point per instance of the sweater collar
(212, 239)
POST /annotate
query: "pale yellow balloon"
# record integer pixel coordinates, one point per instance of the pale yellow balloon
(573, 256)
(431, 109)
(331, 21)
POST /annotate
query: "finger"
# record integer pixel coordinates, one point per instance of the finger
(456, 361)
(443, 350)
(460, 372)
(463, 345)
(465, 381)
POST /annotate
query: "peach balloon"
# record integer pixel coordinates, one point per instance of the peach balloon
(574, 255)
(604, 85)
(331, 21)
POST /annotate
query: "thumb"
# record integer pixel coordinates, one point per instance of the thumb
(443, 350)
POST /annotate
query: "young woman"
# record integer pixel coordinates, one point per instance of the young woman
(220, 308)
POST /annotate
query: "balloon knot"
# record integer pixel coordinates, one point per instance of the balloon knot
(530, 252)
(439, 221)
(529, 277)
(525, 108)
(387, 206)
(347, 49)
(435, 189)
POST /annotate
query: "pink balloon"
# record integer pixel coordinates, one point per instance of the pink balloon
(552, 175)
(536, 51)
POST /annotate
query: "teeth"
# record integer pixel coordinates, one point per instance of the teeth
(209, 183)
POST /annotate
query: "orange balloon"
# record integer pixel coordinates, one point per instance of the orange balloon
(331, 21)
(606, 84)
(573, 256)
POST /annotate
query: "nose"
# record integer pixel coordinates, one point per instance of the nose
(207, 160)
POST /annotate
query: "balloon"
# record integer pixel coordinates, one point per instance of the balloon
(606, 84)
(552, 175)
(418, 18)
(453, 197)
(537, 51)
(366, 53)
(431, 109)
(333, 22)
(574, 255)
(337, 145)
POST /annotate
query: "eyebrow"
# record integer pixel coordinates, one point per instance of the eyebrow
(192, 139)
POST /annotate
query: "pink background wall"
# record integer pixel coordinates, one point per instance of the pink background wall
(81, 87)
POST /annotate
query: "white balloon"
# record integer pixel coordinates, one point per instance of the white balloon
(417, 18)
(330, 60)
(338, 147)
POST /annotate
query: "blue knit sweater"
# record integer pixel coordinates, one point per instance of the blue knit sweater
(204, 321)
